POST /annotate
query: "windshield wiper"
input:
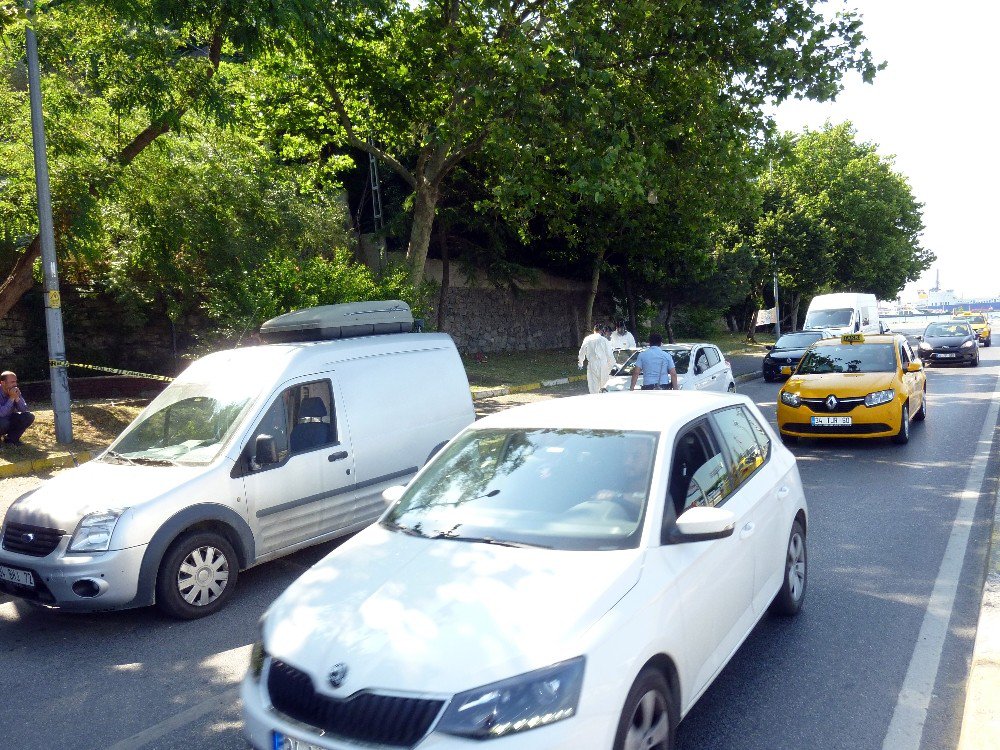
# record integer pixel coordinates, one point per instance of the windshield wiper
(408, 530)
(485, 540)
(118, 456)
(146, 461)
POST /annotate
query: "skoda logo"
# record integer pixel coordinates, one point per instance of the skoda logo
(27, 538)
(337, 675)
(831, 402)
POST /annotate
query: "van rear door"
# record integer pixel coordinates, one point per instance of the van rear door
(309, 491)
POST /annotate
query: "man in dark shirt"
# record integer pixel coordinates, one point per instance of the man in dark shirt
(14, 415)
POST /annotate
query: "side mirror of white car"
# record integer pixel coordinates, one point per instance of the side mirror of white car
(703, 523)
(392, 494)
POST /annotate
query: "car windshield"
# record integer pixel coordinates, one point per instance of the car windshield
(568, 489)
(797, 340)
(948, 329)
(829, 318)
(188, 423)
(626, 356)
(977, 319)
(848, 358)
(680, 354)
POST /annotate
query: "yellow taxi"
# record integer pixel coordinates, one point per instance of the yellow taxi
(854, 386)
(980, 323)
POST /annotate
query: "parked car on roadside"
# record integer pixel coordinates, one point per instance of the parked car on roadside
(950, 343)
(700, 367)
(568, 574)
(249, 455)
(788, 351)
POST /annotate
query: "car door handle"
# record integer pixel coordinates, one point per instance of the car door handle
(338, 456)
(747, 531)
(783, 493)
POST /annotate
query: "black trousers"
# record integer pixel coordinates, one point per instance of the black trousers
(13, 426)
(660, 387)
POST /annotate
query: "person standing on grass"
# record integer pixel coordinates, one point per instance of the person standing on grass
(621, 338)
(14, 415)
(600, 359)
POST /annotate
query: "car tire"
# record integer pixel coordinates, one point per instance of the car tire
(197, 575)
(768, 378)
(650, 716)
(989, 341)
(975, 362)
(903, 436)
(788, 601)
(921, 414)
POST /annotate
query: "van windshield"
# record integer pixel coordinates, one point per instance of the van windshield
(189, 423)
(840, 318)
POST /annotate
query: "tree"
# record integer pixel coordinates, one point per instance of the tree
(584, 91)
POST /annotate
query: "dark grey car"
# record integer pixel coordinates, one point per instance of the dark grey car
(949, 343)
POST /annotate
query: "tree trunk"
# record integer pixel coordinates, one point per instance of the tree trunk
(445, 276)
(424, 205)
(669, 323)
(752, 329)
(796, 300)
(21, 277)
(595, 279)
(630, 300)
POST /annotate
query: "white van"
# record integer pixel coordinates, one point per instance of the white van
(843, 312)
(249, 455)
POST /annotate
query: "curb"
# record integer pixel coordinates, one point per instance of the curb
(506, 390)
(981, 721)
(747, 377)
(60, 461)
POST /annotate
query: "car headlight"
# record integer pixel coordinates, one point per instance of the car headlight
(967, 344)
(925, 346)
(880, 397)
(516, 705)
(93, 534)
(257, 654)
(790, 399)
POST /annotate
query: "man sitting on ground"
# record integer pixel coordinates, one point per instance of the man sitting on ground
(14, 415)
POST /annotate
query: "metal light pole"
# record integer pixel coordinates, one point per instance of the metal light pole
(53, 311)
(777, 317)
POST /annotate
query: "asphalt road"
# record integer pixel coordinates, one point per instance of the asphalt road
(884, 545)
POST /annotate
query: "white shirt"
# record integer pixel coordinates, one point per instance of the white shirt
(622, 341)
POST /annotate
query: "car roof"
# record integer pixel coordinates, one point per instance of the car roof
(873, 338)
(657, 411)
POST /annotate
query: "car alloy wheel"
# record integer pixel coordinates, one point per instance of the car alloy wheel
(790, 596)
(649, 719)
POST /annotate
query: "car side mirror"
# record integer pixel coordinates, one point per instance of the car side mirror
(914, 367)
(265, 451)
(702, 524)
(392, 494)
(920, 338)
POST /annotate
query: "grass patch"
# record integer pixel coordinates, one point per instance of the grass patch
(95, 424)
(517, 368)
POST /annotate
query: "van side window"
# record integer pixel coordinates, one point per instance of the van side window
(300, 418)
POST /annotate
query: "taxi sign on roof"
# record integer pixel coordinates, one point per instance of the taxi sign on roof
(852, 338)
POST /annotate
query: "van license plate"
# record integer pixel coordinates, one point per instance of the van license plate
(284, 742)
(831, 421)
(20, 577)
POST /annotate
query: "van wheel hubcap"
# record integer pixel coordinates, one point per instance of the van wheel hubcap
(203, 576)
(650, 725)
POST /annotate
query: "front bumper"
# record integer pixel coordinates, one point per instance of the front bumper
(949, 356)
(114, 576)
(772, 368)
(260, 721)
(875, 422)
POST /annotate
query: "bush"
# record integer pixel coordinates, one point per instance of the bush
(698, 322)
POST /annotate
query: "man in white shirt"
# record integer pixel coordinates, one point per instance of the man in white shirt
(600, 359)
(622, 338)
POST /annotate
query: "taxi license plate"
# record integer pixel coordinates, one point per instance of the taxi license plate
(20, 577)
(831, 421)
(282, 741)
(946, 356)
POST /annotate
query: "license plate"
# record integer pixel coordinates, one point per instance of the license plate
(20, 577)
(284, 742)
(831, 421)
(945, 356)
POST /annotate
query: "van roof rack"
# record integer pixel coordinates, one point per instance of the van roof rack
(349, 320)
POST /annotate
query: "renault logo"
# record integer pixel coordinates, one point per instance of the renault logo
(337, 675)
(27, 538)
(831, 402)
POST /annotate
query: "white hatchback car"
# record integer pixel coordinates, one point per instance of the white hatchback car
(568, 574)
(700, 367)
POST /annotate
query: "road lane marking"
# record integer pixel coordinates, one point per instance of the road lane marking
(907, 725)
(179, 721)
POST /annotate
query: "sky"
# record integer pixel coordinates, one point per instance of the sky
(934, 108)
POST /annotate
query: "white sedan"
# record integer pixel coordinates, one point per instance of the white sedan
(700, 367)
(568, 575)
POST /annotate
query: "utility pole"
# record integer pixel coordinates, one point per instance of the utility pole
(53, 310)
(777, 317)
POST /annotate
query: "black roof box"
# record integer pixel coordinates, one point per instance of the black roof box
(339, 322)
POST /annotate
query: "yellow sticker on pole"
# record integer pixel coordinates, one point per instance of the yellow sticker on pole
(54, 301)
